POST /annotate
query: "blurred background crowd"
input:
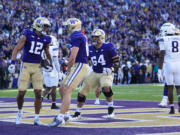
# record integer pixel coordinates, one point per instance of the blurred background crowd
(132, 25)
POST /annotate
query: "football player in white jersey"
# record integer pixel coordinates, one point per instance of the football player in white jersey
(169, 46)
(51, 79)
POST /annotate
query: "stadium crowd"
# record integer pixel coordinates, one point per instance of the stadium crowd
(132, 25)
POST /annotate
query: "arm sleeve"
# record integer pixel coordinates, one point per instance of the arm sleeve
(25, 32)
(56, 63)
(76, 42)
(113, 51)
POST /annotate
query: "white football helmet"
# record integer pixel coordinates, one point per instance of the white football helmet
(99, 33)
(167, 28)
(40, 22)
(73, 24)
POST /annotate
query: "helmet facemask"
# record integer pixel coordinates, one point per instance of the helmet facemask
(98, 37)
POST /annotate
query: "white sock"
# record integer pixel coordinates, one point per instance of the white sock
(165, 97)
(171, 105)
(36, 117)
(78, 109)
(110, 104)
(20, 111)
(97, 98)
(60, 116)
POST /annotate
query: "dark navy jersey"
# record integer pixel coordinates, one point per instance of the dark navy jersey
(34, 46)
(78, 39)
(102, 57)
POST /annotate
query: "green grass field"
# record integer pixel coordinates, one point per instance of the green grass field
(149, 92)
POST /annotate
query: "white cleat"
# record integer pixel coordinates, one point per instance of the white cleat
(97, 102)
(67, 117)
(164, 103)
(57, 122)
(110, 116)
(38, 123)
(18, 118)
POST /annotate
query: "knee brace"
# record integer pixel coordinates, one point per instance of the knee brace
(107, 94)
(81, 98)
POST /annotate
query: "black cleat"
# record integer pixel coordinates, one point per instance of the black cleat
(172, 111)
(110, 110)
(54, 106)
(76, 116)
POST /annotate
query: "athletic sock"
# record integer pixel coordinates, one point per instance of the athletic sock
(110, 104)
(78, 109)
(36, 117)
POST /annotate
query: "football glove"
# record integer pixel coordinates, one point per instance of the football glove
(11, 68)
(46, 66)
(61, 76)
(107, 71)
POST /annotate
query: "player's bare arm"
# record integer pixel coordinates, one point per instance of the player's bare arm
(18, 47)
(48, 54)
(72, 57)
(161, 59)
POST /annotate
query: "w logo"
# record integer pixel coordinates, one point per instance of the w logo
(73, 21)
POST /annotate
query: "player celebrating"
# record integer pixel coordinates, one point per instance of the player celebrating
(103, 57)
(77, 67)
(51, 79)
(170, 56)
(33, 43)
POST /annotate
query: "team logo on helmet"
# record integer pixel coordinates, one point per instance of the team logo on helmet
(73, 24)
(40, 22)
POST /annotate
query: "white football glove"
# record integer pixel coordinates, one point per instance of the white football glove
(160, 75)
(11, 68)
(107, 71)
(61, 76)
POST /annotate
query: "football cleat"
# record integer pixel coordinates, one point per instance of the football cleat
(172, 111)
(76, 116)
(97, 102)
(54, 106)
(164, 103)
(110, 114)
(57, 122)
(18, 118)
(38, 123)
(67, 117)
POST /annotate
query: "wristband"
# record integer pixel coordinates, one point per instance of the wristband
(12, 61)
